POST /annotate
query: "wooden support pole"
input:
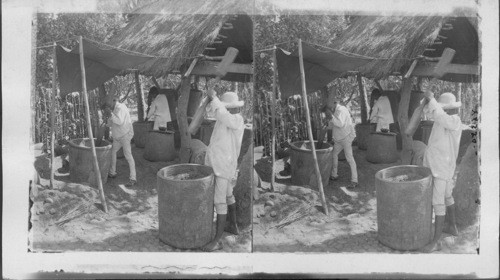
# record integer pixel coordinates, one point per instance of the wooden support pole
(182, 104)
(309, 129)
(52, 119)
(404, 103)
(273, 121)
(89, 127)
(140, 98)
(363, 98)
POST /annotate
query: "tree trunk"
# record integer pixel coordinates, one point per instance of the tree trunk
(140, 98)
(404, 103)
(185, 151)
(103, 96)
(363, 98)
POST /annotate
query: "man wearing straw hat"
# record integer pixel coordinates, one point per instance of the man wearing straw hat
(440, 156)
(343, 133)
(122, 132)
(222, 156)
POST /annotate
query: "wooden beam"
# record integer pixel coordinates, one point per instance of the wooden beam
(309, 129)
(444, 61)
(427, 69)
(208, 68)
(89, 127)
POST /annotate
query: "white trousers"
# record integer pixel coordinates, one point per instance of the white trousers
(123, 142)
(346, 145)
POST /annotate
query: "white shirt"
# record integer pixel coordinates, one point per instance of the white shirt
(160, 109)
(341, 124)
(444, 142)
(120, 121)
(225, 143)
(382, 111)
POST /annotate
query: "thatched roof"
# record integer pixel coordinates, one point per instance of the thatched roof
(400, 39)
(175, 31)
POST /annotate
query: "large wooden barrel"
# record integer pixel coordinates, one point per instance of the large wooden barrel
(185, 205)
(141, 130)
(81, 162)
(382, 148)
(302, 163)
(160, 146)
(363, 131)
(404, 206)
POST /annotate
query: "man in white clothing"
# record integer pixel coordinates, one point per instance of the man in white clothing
(122, 132)
(440, 156)
(343, 133)
(222, 155)
(160, 111)
(382, 113)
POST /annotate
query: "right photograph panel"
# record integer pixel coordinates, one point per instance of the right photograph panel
(365, 132)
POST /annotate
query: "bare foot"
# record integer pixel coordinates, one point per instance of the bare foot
(431, 247)
(212, 246)
(451, 230)
(233, 229)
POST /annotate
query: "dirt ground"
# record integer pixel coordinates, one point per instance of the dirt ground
(351, 225)
(131, 223)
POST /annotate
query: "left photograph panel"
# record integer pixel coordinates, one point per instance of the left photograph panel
(142, 128)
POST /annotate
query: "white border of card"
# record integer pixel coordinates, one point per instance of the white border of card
(16, 156)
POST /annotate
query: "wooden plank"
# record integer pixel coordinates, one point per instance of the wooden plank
(89, 127)
(209, 68)
(309, 129)
(427, 69)
(444, 61)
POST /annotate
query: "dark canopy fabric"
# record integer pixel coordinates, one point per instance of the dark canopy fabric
(101, 64)
(320, 67)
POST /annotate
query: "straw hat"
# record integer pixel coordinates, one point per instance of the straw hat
(448, 101)
(230, 100)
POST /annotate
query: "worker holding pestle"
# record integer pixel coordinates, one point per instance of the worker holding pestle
(339, 120)
(118, 118)
(440, 156)
(222, 156)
